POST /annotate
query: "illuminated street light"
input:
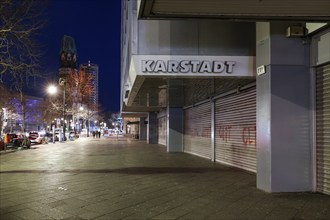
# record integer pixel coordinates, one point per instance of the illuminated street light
(51, 89)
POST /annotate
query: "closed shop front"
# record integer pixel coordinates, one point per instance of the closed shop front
(323, 128)
(235, 129)
(162, 130)
(197, 130)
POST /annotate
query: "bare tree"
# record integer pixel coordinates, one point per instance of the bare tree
(51, 108)
(20, 22)
(4, 104)
(79, 87)
(78, 90)
(20, 52)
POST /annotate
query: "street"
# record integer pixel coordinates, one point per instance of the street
(120, 178)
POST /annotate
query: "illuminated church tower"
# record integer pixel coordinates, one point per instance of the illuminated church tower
(68, 56)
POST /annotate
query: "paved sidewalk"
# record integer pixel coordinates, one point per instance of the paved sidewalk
(118, 178)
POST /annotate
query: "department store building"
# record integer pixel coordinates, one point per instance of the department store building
(242, 83)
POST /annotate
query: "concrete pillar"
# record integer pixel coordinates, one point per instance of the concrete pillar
(174, 130)
(175, 116)
(152, 97)
(284, 159)
(143, 129)
(152, 134)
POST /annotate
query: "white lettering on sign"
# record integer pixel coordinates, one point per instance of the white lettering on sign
(185, 66)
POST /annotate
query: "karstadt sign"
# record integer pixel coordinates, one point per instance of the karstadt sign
(172, 65)
(186, 66)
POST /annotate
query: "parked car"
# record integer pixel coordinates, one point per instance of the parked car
(16, 141)
(22, 141)
(13, 138)
(35, 137)
(47, 136)
(2, 144)
(59, 135)
(73, 136)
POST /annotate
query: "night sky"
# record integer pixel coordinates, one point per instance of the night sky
(95, 26)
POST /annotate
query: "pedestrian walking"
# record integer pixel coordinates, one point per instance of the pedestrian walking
(93, 134)
(99, 133)
(6, 140)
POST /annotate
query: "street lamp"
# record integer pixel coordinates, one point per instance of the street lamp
(81, 109)
(52, 90)
(62, 82)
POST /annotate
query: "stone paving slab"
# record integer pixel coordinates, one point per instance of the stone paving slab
(119, 178)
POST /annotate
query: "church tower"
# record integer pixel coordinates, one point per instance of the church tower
(68, 56)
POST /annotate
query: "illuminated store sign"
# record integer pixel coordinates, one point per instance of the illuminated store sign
(191, 66)
(186, 66)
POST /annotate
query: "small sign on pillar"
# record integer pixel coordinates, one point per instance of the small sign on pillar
(261, 70)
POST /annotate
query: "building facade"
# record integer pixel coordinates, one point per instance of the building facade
(250, 91)
(13, 115)
(93, 70)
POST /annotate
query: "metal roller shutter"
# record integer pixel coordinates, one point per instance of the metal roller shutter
(235, 8)
(162, 130)
(235, 129)
(197, 130)
(323, 129)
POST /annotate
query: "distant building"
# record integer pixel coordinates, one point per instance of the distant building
(93, 70)
(13, 116)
